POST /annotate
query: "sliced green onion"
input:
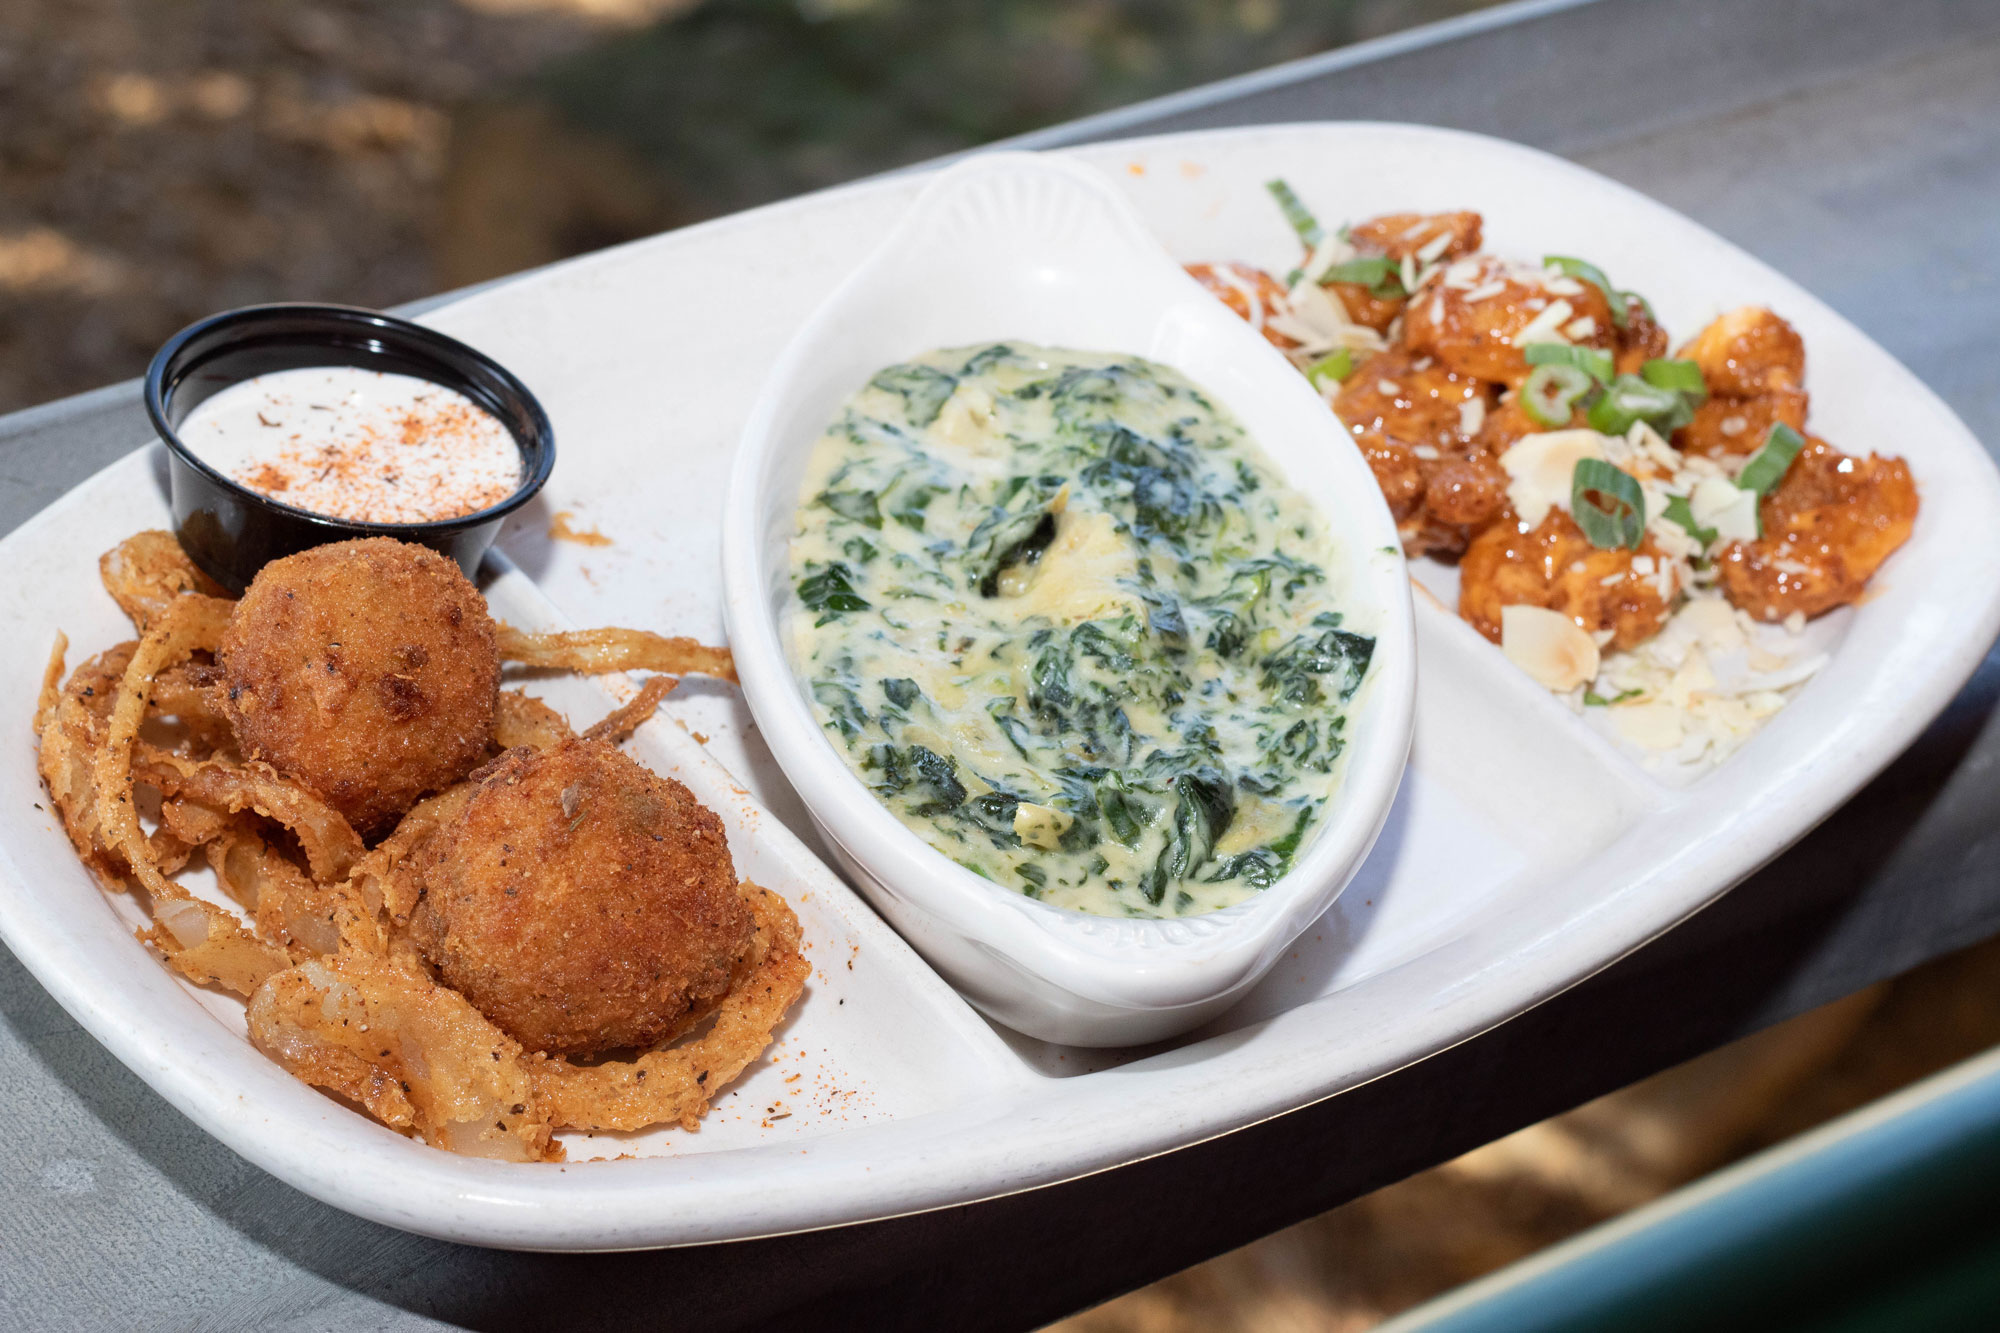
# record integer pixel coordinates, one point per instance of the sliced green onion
(1551, 391)
(1622, 301)
(1335, 366)
(1592, 361)
(1381, 276)
(1572, 267)
(1296, 213)
(1621, 521)
(1592, 699)
(1630, 399)
(1680, 511)
(1664, 372)
(1767, 466)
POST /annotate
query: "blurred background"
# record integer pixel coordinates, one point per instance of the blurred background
(161, 159)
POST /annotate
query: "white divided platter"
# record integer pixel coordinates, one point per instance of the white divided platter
(1525, 851)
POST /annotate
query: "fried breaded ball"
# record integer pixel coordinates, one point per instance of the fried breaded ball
(1828, 526)
(1555, 566)
(365, 670)
(581, 902)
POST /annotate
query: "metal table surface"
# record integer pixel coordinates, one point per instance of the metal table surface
(1854, 145)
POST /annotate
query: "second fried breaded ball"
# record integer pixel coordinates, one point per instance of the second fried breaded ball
(581, 902)
(366, 670)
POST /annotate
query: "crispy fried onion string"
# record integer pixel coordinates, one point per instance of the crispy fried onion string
(202, 940)
(52, 674)
(600, 650)
(330, 843)
(146, 572)
(618, 725)
(289, 906)
(385, 880)
(415, 1054)
(674, 1082)
(66, 755)
(522, 719)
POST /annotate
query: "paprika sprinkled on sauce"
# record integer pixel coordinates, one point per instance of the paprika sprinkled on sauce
(360, 445)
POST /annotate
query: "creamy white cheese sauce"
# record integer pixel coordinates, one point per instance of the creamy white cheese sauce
(357, 444)
(1066, 621)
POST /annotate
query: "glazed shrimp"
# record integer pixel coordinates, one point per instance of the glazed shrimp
(1478, 314)
(1828, 526)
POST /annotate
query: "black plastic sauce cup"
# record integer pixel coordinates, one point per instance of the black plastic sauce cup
(232, 531)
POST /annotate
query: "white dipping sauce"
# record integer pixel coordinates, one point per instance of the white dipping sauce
(361, 445)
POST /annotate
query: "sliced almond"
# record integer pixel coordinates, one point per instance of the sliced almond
(1714, 622)
(1728, 508)
(1549, 646)
(1539, 469)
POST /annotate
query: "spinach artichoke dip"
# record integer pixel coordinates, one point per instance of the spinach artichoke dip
(1065, 620)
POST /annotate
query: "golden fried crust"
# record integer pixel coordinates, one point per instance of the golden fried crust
(581, 902)
(365, 670)
(1555, 566)
(1233, 283)
(1828, 526)
(1748, 351)
(1474, 329)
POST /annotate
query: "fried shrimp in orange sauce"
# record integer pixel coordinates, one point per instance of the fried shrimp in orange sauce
(1754, 364)
(1748, 351)
(1418, 237)
(1410, 416)
(1485, 358)
(1249, 291)
(1828, 526)
(366, 670)
(1554, 565)
(1478, 322)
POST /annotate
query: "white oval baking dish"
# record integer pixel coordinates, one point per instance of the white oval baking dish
(1018, 246)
